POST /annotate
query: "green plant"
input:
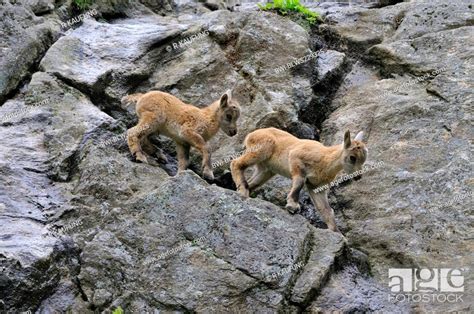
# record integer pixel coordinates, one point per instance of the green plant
(285, 6)
(82, 4)
(118, 310)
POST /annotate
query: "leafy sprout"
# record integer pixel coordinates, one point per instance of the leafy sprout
(118, 310)
(82, 4)
(285, 6)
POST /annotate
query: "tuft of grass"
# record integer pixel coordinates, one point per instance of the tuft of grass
(118, 310)
(82, 4)
(285, 6)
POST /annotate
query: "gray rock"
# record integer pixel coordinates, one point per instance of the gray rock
(189, 245)
(107, 50)
(41, 142)
(425, 17)
(39, 7)
(23, 41)
(329, 63)
(418, 124)
(350, 291)
(356, 28)
(326, 250)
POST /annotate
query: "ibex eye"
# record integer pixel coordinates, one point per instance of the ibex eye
(228, 117)
(353, 159)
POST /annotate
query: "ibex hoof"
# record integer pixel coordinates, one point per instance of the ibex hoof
(141, 157)
(153, 162)
(208, 175)
(292, 207)
(243, 191)
(161, 156)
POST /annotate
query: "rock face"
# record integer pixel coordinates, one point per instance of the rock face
(24, 39)
(87, 229)
(67, 57)
(189, 246)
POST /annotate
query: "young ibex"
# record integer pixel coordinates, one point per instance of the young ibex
(306, 162)
(187, 125)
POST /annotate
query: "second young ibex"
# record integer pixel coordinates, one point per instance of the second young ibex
(307, 162)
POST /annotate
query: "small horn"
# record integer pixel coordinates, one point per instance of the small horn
(359, 136)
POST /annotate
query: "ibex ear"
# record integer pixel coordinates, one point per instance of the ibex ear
(347, 139)
(225, 100)
(359, 136)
